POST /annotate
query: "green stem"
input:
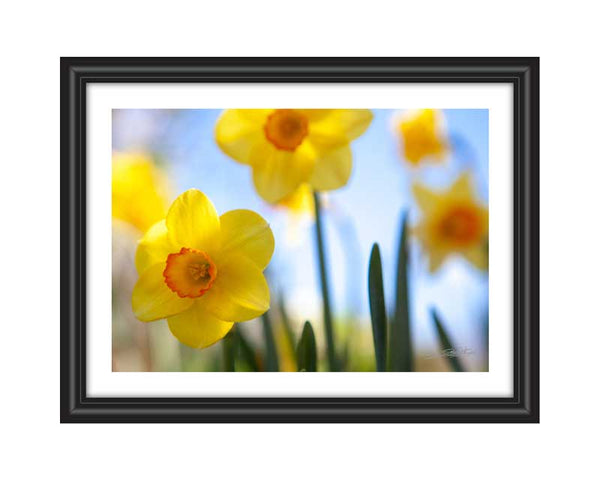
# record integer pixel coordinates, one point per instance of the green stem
(247, 351)
(272, 361)
(446, 345)
(400, 347)
(307, 350)
(377, 308)
(327, 320)
(229, 344)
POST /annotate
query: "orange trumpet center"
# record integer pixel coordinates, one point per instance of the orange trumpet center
(461, 226)
(286, 129)
(190, 273)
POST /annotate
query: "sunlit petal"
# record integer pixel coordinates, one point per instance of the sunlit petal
(197, 328)
(282, 172)
(152, 299)
(238, 133)
(193, 222)
(339, 126)
(240, 292)
(246, 233)
(154, 247)
(333, 169)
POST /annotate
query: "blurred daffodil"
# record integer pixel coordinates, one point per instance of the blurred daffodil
(203, 272)
(300, 201)
(422, 136)
(139, 190)
(452, 222)
(300, 212)
(286, 148)
(285, 351)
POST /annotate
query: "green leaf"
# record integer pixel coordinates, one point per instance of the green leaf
(229, 347)
(377, 306)
(448, 351)
(287, 326)
(247, 352)
(307, 350)
(327, 317)
(400, 348)
(271, 360)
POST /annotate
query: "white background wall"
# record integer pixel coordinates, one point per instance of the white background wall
(32, 37)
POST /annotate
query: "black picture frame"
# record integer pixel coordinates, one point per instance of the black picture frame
(78, 73)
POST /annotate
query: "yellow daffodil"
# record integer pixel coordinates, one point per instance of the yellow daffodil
(422, 137)
(203, 272)
(287, 147)
(139, 190)
(452, 222)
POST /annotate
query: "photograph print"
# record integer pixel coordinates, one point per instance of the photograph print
(300, 240)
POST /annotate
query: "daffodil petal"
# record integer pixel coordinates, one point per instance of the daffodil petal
(477, 256)
(339, 126)
(140, 190)
(453, 223)
(197, 328)
(247, 233)
(300, 202)
(192, 222)
(332, 169)
(255, 115)
(421, 136)
(239, 293)
(152, 299)
(426, 199)
(315, 114)
(238, 133)
(154, 247)
(462, 188)
(281, 172)
(436, 259)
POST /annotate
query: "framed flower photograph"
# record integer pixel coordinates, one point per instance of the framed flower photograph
(300, 239)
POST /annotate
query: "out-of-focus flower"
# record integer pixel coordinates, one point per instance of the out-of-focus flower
(139, 190)
(300, 209)
(203, 272)
(286, 148)
(452, 222)
(300, 202)
(422, 136)
(285, 351)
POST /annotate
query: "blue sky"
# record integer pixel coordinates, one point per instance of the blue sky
(365, 211)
